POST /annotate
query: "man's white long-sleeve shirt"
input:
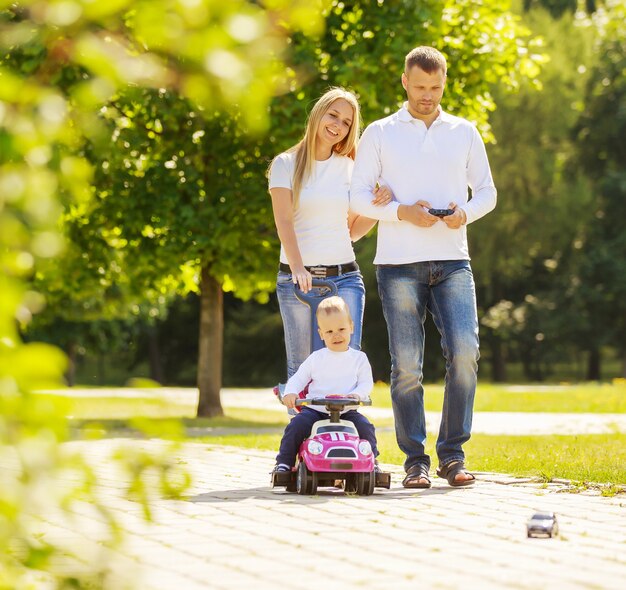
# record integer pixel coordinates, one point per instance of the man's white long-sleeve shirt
(435, 164)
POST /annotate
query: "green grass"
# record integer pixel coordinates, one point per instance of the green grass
(589, 397)
(598, 458)
(235, 419)
(120, 408)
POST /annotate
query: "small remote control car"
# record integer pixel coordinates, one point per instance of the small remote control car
(542, 524)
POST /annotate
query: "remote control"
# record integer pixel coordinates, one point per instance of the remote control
(441, 212)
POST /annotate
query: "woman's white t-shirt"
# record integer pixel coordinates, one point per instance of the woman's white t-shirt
(321, 219)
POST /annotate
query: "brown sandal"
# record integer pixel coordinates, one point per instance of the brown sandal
(451, 470)
(414, 474)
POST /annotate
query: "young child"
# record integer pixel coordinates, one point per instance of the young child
(335, 369)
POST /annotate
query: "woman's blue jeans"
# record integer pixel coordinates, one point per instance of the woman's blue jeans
(297, 315)
(446, 290)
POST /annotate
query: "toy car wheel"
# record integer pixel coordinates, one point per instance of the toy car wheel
(369, 481)
(306, 481)
(361, 483)
(350, 485)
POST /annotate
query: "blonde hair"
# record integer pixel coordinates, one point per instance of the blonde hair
(334, 304)
(305, 149)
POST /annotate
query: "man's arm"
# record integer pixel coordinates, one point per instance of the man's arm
(484, 195)
(365, 176)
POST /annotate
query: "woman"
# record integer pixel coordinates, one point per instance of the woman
(309, 185)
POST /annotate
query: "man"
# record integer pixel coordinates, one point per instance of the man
(428, 158)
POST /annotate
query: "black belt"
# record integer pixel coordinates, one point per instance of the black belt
(321, 272)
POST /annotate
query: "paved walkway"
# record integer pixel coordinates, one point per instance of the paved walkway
(234, 532)
(483, 423)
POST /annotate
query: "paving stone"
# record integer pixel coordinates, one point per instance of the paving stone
(233, 531)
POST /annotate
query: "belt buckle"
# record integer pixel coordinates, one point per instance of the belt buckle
(318, 272)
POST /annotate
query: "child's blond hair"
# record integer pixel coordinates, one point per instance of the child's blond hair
(333, 304)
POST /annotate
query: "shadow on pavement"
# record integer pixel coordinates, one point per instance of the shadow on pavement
(323, 495)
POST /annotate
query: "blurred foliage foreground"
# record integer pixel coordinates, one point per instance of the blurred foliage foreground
(60, 61)
(41, 479)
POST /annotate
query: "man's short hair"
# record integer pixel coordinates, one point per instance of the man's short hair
(426, 58)
(333, 304)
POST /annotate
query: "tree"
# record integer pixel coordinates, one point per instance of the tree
(558, 8)
(486, 46)
(178, 201)
(169, 202)
(543, 202)
(236, 70)
(598, 284)
(364, 48)
(60, 62)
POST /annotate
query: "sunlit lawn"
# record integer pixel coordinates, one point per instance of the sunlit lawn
(588, 397)
(591, 397)
(597, 458)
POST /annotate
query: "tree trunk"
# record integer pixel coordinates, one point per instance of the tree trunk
(154, 354)
(527, 364)
(101, 369)
(70, 374)
(593, 365)
(498, 362)
(210, 346)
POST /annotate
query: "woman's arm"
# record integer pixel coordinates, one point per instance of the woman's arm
(360, 225)
(282, 206)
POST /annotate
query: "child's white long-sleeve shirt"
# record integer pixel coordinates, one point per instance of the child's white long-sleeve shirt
(327, 372)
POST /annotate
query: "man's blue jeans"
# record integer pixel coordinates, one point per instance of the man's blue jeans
(446, 290)
(297, 315)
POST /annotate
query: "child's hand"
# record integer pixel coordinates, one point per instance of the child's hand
(289, 400)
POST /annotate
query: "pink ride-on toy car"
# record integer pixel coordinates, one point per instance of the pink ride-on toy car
(333, 452)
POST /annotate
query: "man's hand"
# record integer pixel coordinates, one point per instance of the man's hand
(457, 219)
(417, 214)
(289, 400)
